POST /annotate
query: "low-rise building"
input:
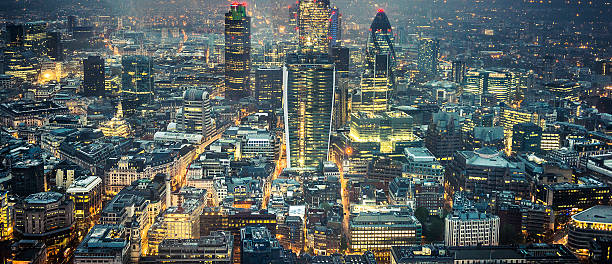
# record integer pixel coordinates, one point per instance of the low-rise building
(587, 225)
(533, 253)
(103, 244)
(378, 231)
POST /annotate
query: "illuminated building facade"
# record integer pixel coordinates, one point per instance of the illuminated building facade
(484, 172)
(565, 89)
(567, 197)
(137, 78)
(86, 194)
(117, 126)
(481, 83)
(237, 52)
(335, 27)
(93, 76)
(466, 226)
(459, 69)
(587, 225)
(374, 93)
(269, 87)
(215, 249)
(6, 217)
(377, 79)
(47, 217)
(195, 115)
(526, 137)
(510, 117)
(17, 64)
(427, 60)
(374, 135)
(379, 231)
(35, 37)
(309, 84)
(421, 164)
(313, 22)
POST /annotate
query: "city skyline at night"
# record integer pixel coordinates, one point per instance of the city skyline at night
(305, 131)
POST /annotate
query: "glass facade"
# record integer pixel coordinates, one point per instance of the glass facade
(237, 52)
(309, 96)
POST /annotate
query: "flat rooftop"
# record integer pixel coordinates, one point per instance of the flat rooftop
(595, 214)
(43, 198)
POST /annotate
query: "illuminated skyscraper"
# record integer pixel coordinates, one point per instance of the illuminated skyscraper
(309, 84)
(377, 79)
(35, 37)
(237, 52)
(459, 69)
(496, 84)
(375, 85)
(137, 77)
(335, 27)
(428, 56)
(314, 26)
(93, 76)
(380, 41)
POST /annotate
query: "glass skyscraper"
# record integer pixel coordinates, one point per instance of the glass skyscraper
(137, 77)
(93, 76)
(377, 79)
(309, 86)
(313, 26)
(428, 56)
(237, 52)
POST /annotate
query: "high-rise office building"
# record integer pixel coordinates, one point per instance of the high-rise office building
(341, 57)
(335, 27)
(458, 71)
(93, 76)
(6, 217)
(313, 23)
(373, 96)
(137, 78)
(35, 37)
(309, 84)
(481, 83)
(71, 22)
(269, 87)
(380, 42)
(526, 137)
(195, 116)
(428, 56)
(55, 48)
(237, 52)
